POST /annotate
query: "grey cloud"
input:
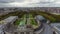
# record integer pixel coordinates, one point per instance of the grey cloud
(5, 3)
(9, 1)
(19, 0)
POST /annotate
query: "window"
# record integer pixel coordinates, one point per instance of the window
(15, 33)
(54, 32)
(27, 32)
(22, 33)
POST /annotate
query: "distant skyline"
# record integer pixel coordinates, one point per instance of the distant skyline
(29, 3)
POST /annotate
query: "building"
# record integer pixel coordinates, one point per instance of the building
(56, 27)
(7, 24)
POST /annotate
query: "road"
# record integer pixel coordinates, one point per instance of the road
(47, 29)
(38, 30)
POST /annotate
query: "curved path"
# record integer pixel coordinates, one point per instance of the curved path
(39, 28)
(46, 28)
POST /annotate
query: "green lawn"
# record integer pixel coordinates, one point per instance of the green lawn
(24, 20)
(32, 20)
(21, 20)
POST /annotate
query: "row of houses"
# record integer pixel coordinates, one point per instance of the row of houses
(45, 9)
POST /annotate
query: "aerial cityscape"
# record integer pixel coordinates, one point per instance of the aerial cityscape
(29, 16)
(37, 20)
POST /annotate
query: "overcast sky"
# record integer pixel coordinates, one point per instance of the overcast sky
(29, 3)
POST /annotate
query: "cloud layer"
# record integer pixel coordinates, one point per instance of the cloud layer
(29, 3)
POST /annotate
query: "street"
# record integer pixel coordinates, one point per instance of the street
(47, 29)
